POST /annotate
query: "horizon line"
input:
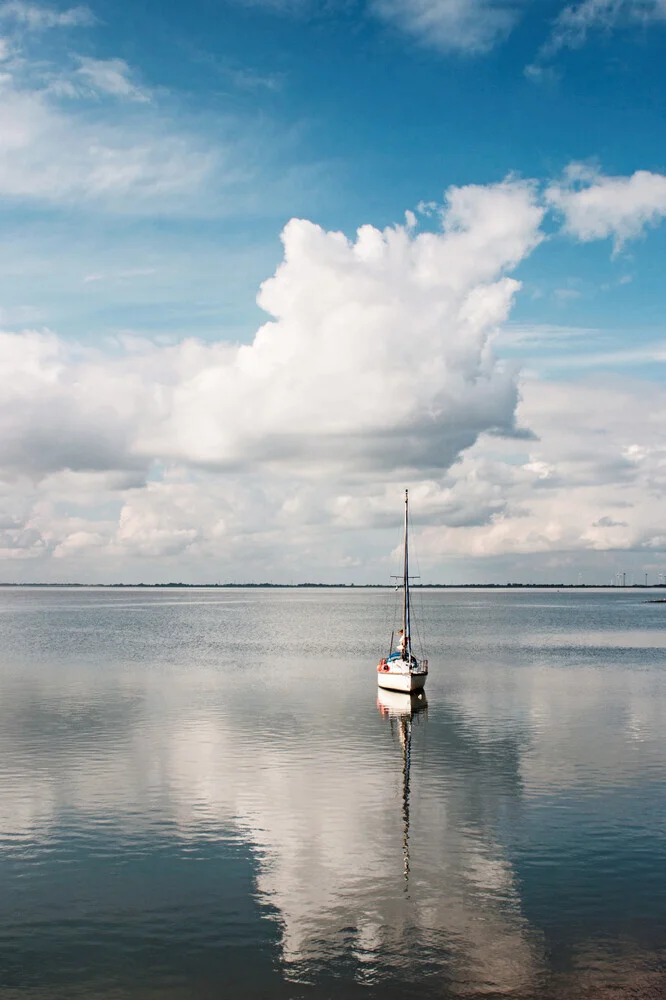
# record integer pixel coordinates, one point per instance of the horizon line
(349, 586)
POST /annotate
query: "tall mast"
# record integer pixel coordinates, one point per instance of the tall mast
(405, 609)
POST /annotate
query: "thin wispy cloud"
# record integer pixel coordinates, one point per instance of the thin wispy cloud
(471, 26)
(544, 335)
(52, 154)
(80, 130)
(111, 76)
(248, 79)
(36, 17)
(576, 23)
(465, 26)
(474, 27)
(595, 361)
(58, 146)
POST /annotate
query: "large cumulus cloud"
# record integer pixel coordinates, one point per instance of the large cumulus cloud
(377, 355)
(283, 458)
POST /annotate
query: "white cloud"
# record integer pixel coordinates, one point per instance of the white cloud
(284, 457)
(596, 207)
(248, 79)
(18, 316)
(448, 25)
(468, 26)
(592, 481)
(586, 494)
(111, 76)
(36, 17)
(649, 354)
(76, 130)
(54, 155)
(377, 356)
(57, 414)
(544, 335)
(58, 146)
(574, 23)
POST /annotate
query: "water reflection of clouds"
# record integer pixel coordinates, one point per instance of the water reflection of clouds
(593, 726)
(316, 792)
(312, 779)
(351, 879)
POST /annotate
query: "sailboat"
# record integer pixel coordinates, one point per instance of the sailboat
(401, 670)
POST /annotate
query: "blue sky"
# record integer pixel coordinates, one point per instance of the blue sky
(353, 121)
(151, 156)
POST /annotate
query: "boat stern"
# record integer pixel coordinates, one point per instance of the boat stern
(398, 681)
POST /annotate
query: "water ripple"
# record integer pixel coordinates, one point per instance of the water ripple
(201, 796)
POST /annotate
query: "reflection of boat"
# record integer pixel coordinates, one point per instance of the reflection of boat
(401, 670)
(400, 704)
(400, 707)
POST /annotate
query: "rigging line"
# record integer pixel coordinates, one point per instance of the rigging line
(416, 619)
(395, 587)
(420, 620)
(387, 609)
(392, 604)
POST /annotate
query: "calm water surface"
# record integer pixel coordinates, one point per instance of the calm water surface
(200, 796)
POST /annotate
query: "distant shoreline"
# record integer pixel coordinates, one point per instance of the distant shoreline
(348, 586)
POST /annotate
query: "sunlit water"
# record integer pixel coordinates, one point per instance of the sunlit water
(201, 797)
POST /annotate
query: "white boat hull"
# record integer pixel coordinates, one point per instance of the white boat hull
(401, 681)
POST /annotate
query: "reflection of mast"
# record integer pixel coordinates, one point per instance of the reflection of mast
(406, 740)
(401, 708)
